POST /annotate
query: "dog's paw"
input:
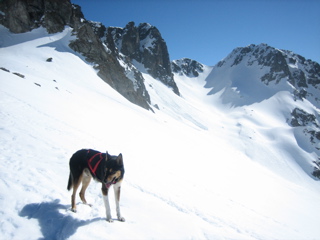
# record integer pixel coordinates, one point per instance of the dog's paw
(121, 219)
(110, 220)
(74, 210)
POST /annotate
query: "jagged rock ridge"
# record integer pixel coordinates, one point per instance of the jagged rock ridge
(277, 66)
(248, 70)
(89, 44)
(145, 45)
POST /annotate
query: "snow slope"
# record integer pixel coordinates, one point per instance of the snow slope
(195, 169)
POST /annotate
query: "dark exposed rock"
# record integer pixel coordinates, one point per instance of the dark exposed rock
(309, 126)
(145, 45)
(4, 69)
(89, 45)
(302, 118)
(278, 67)
(19, 74)
(17, 18)
(98, 28)
(24, 15)
(186, 66)
(316, 171)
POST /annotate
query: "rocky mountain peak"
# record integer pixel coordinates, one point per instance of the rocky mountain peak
(262, 55)
(144, 44)
(270, 66)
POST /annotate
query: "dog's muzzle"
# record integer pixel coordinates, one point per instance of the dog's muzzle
(108, 184)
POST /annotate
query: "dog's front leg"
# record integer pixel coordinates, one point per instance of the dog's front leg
(106, 202)
(117, 188)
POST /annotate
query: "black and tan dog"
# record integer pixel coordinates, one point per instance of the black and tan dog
(86, 164)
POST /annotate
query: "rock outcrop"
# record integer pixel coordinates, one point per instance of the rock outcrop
(187, 67)
(107, 62)
(24, 15)
(144, 45)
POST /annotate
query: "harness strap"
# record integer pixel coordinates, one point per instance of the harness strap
(94, 169)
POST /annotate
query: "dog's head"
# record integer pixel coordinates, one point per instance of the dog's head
(114, 169)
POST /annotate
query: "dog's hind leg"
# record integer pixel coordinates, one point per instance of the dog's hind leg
(86, 178)
(106, 202)
(76, 183)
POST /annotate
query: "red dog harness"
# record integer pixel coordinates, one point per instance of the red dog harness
(94, 162)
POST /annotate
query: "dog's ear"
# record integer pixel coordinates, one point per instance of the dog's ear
(120, 160)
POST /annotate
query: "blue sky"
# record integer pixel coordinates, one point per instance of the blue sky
(208, 30)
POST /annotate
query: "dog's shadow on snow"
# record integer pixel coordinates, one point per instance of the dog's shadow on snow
(54, 225)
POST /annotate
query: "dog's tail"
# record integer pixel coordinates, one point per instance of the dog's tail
(69, 182)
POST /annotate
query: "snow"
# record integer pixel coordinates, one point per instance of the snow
(195, 169)
(239, 86)
(147, 43)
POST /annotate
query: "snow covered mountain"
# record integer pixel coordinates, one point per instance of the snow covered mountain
(267, 70)
(256, 74)
(232, 156)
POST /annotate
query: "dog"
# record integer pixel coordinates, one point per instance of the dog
(102, 167)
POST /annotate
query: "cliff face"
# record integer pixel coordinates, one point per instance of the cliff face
(112, 68)
(21, 16)
(24, 15)
(143, 44)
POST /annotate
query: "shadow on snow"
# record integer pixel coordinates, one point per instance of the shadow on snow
(54, 225)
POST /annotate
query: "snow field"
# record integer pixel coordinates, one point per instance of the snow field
(193, 170)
